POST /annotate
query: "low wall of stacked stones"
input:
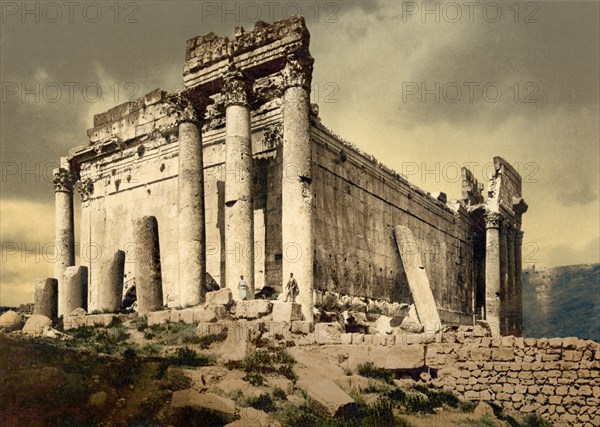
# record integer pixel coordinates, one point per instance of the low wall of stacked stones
(558, 378)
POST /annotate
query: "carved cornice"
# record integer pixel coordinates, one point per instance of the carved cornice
(85, 189)
(298, 71)
(235, 88)
(63, 180)
(493, 220)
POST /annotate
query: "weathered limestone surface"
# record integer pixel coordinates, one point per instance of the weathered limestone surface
(72, 290)
(328, 398)
(37, 324)
(45, 297)
(64, 220)
(417, 279)
(286, 311)
(493, 272)
(556, 378)
(252, 309)
(191, 220)
(11, 321)
(110, 290)
(190, 398)
(239, 199)
(296, 188)
(148, 278)
(222, 296)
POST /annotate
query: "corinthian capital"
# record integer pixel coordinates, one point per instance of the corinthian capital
(235, 88)
(85, 189)
(298, 71)
(493, 220)
(63, 180)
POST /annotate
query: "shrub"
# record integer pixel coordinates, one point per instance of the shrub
(264, 402)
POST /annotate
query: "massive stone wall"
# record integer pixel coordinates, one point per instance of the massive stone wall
(357, 205)
(558, 378)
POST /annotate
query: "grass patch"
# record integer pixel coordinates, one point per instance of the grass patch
(188, 357)
(378, 414)
(205, 341)
(172, 334)
(270, 360)
(369, 370)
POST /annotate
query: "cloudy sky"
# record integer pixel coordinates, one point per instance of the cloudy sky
(426, 87)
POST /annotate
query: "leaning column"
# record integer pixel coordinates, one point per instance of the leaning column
(239, 200)
(64, 224)
(296, 188)
(192, 233)
(492, 271)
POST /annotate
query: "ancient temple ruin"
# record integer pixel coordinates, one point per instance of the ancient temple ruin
(236, 175)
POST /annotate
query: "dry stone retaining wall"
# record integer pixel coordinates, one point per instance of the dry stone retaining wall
(558, 378)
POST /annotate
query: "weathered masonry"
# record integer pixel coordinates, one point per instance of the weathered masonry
(244, 179)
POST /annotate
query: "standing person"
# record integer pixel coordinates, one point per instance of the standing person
(243, 287)
(291, 289)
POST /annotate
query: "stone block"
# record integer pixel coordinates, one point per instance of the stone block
(222, 296)
(186, 315)
(209, 313)
(328, 333)
(241, 340)
(346, 338)
(411, 326)
(36, 325)
(301, 327)
(208, 401)
(11, 321)
(368, 339)
(211, 328)
(286, 311)
(327, 398)
(252, 309)
(358, 338)
(159, 317)
(503, 354)
(105, 319)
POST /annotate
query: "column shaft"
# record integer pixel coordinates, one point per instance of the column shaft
(64, 222)
(518, 283)
(148, 278)
(492, 272)
(297, 197)
(239, 199)
(504, 307)
(511, 300)
(192, 233)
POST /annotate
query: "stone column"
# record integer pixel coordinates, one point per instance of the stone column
(148, 282)
(296, 188)
(192, 233)
(72, 290)
(45, 297)
(518, 292)
(110, 288)
(492, 271)
(510, 289)
(504, 310)
(64, 244)
(239, 200)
